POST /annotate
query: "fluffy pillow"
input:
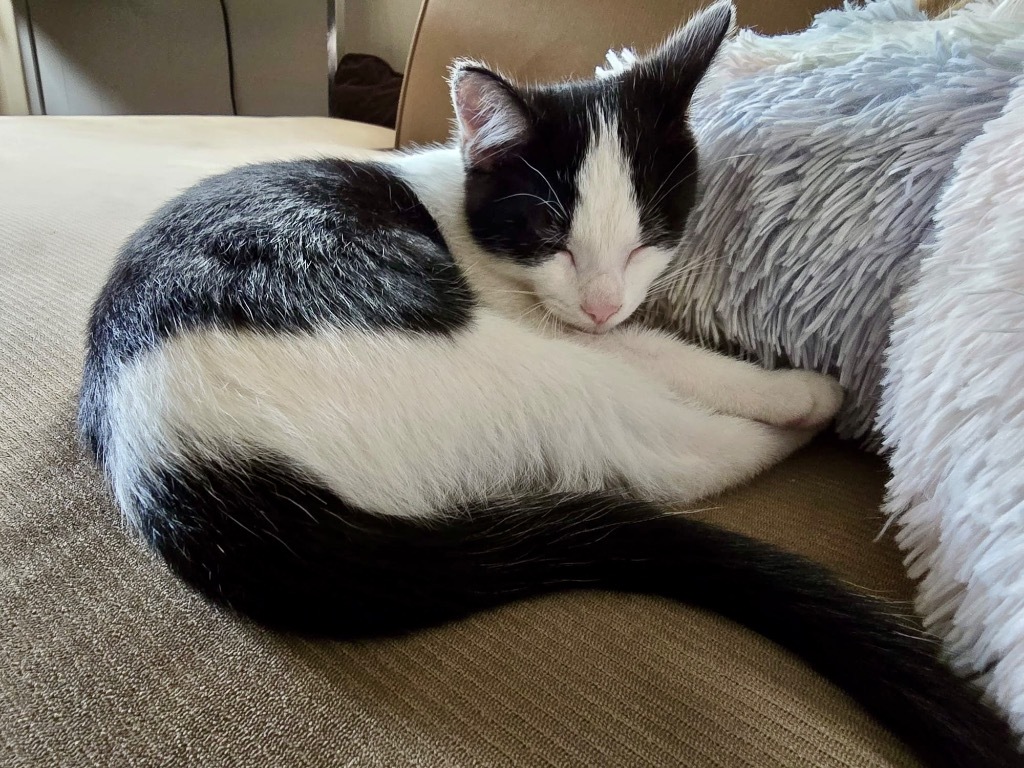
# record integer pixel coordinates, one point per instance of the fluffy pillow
(953, 414)
(824, 154)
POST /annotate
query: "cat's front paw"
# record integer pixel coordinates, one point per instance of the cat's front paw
(807, 400)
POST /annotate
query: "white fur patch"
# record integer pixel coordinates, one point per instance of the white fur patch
(409, 426)
(605, 230)
(606, 222)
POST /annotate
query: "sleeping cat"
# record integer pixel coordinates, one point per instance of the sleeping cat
(358, 398)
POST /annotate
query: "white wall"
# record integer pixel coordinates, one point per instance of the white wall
(381, 27)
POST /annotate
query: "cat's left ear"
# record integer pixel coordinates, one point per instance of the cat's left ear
(492, 119)
(676, 67)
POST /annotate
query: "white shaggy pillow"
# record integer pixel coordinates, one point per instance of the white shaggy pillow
(953, 414)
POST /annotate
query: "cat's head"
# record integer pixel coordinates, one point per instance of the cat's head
(582, 189)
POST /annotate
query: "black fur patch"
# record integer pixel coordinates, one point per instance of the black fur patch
(280, 247)
(662, 153)
(259, 537)
(521, 207)
(285, 247)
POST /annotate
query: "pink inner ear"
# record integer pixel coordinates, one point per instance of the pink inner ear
(469, 103)
(491, 120)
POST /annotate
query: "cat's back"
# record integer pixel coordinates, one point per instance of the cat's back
(282, 247)
(285, 246)
(242, 214)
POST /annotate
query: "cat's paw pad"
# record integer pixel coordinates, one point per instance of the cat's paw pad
(813, 399)
(617, 63)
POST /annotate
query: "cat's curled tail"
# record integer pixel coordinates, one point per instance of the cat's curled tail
(276, 545)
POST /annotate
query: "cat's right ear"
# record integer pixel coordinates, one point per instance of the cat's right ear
(492, 119)
(670, 74)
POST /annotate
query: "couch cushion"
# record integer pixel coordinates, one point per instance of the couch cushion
(105, 659)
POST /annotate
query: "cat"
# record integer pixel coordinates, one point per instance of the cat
(359, 398)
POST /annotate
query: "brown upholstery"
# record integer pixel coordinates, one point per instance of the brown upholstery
(540, 40)
(106, 660)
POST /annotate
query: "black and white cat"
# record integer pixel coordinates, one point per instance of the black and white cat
(353, 398)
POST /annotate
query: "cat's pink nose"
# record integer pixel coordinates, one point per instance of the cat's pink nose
(600, 311)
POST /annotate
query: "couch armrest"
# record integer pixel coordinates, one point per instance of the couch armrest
(537, 40)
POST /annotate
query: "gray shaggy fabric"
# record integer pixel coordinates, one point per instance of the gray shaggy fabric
(824, 155)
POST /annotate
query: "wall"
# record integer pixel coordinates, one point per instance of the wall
(381, 27)
(171, 56)
(116, 57)
(280, 56)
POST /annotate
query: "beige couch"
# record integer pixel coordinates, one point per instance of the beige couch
(106, 660)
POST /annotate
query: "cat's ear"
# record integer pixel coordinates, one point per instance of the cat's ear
(491, 117)
(678, 64)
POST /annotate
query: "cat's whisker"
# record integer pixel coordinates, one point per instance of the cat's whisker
(518, 293)
(672, 278)
(718, 160)
(674, 169)
(656, 201)
(549, 323)
(673, 275)
(526, 313)
(691, 266)
(658, 198)
(559, 213)
(550, 241)
(554, 194)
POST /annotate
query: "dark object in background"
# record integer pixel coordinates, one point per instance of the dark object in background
(366, 89)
